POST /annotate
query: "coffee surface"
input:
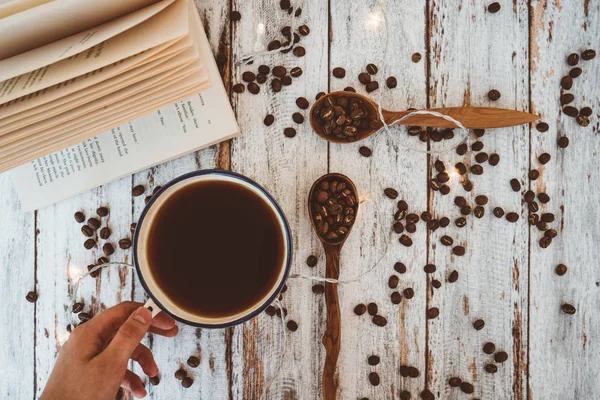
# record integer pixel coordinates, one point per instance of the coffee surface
(215, 248)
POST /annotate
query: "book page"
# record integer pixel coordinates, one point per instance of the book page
(171, 23)
(38, 26)
(75, 44)
(200, 121)
(17, 6)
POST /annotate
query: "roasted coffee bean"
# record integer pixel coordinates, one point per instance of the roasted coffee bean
(84, 317)
(498, 212)
(411, 228)
(147, 199)
(77, 308)
(398, 227)
(460, 201)
(489, 348)
(494, 94)
(568, 309)
(461, 149)
(443, 177)
(534, 174)
(439, 166)
(434, 184)
(427, 395)
(429, 268)
(285, 4)
(318, 289)
(339, 72)
(360, 309)
(302, 103)
(466, 210)
(89, 244)
(379, 320)
(279, 71)
(413, 372)
(393, 281)
(296, 72)
(105, 233)
(454, 382)
(571, 111)
(533, 206)
(573, 59)
(460, 222)
(433, 313)
(132, 227)
(187, 382)
(479, 212)
(253, 88)
(364, 78)
(264, 69)
(515, 185)
(404, 371)
(433, 224)
(583, 120)
(372, 308)
(289, 132)
(235, 16)
(479, 324)
(248, 76)
(529, 196)
(94, 223)
(365, 151)
(453, 277)
(261, 78)
(444, 189)
(304, 30)
(436, 284)
(477, 169)
(542, 127)
(396, 298)
(374, 378)
(108, 249)
(543, 198)
(298, 118)
(87, 230)
(575, 72)
(269, 119)
(512, 217)
(292, 325)
(94, 274)
(500, 356)
(562, 142)
(270, 311)
(566, 98)
(491, 368)
(373, 360)
(299, 51)
(180, 374)
(541, 225)
(237, 88)
(460, 168)
(551, 233)
(566, 82)
(412, 218)
(391, 193)
(458, 250)
(193, 361)
(467, 388)
(125, 243)
(298, 12)
(494, 159)
(588, 54)
(156, 190)
(154, 380)
(274, 45)
(319, 95)
(31, 297)
(494, 7)
(372, 86)
(404, 395)
(372, 69)
(477, 146)
(400, 268)
(79, 217)
(481, 157)
(399, 215)
(561, 269)
(544, 158)
(425, 216)
(276, 85)
(416, 57)
(547, 217)
(414, 130)
(311, 261)
(409, 293)
(446, 240)
(468, 185)
(481, 200)
(391, 82)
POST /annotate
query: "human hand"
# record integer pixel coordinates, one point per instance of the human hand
(92, 364)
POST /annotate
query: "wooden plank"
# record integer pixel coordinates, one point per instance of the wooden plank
(210, 346)
(563, 352)
(471, 52)
(287, 168)
(17, 277)
(357, 30)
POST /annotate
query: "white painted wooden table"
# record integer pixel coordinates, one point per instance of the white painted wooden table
(505, 278)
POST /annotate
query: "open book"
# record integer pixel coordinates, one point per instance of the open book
(75, 73)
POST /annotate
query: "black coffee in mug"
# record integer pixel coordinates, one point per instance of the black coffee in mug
(214, 248)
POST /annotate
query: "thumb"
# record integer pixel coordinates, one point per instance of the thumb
(129, 335)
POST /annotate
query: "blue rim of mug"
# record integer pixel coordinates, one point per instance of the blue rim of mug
(279, 212)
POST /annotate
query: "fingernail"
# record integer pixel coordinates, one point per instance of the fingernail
(142, 315)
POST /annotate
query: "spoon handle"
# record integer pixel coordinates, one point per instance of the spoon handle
(470, 117)
(331, 338)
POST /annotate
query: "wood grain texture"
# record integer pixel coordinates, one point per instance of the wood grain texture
(564, 349)
(332, 337)
(472, 52)
(402, 341)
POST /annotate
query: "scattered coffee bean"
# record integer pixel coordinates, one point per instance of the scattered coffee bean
(458, 250)
(299, 51)
(494, 159)
(298, 12)
(391, 82)
(477, 146)
(237, 88)
(94, 274)
(466, 388)
(379, 320)
(433, 313)
(534, 174)
(296, 72)
(404, 395)
(566, 98)
(416, 57)
(298, 118)
(372, 308)
(460, 201)
(154, 380)
(541, 225)
(180, 374)
(454, 382)
(364, 78)
(436, 284)
(542, 127)
(396, 297)
(494, 94)
(372, 86)
(588, 54)
(529, 196)
(409, 293)
(494, 7)
(477, 169)
(461, 149)
(543, 198)
(274, 45)
(500, 356)
(453, 277)
(304, 30)
(562, 142)
(479, 324)
(427, 395)
(571, 111)
(498, 212)
(87, 230)
(515, 185)
(433, 224)
(339, 72)
(84, 317)
(319, 95)
(512, 217)
(460, 168)
(481, 157)
(491, 368)
(460, 222)
(302, 103)
(429, 268)
(270, 311)
(566, 82)
(374, 378)
(235, 16)
(561, 269)
(372, 69)
(468, 185)
(365, 151)
(479, 212)
(31, 297)
(400, 268)
(406, 240)
(404, 371)
(393, 281)
(583, 120)
(261, 78)
(89, 244)
(156, 190)
(77, 308)
(292, 325)
(568, 309)
(318, 289)
(193, 361)
(575, 72)
(573, 59)
(311, 261)
(187, 382)
(253, 88)
(108, 249)
(413, 372)
(289, 132)
(446, 240)
(138, 190)
(398, 227)
(411, 228)
(551, 233)
(94, 223)
(392, 194)
(360, 309)
(105, 233)
(269, 119)
(279, 71)
(489, 348)
(248, 76)
(125, 243)
(79, 217)
(547, 217)
(466, 210)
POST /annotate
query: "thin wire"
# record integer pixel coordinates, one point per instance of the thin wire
(96, 268)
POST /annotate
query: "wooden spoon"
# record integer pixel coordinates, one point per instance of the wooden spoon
(470, 117)
(333, 248)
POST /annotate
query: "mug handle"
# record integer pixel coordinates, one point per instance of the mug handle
(154, 309)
